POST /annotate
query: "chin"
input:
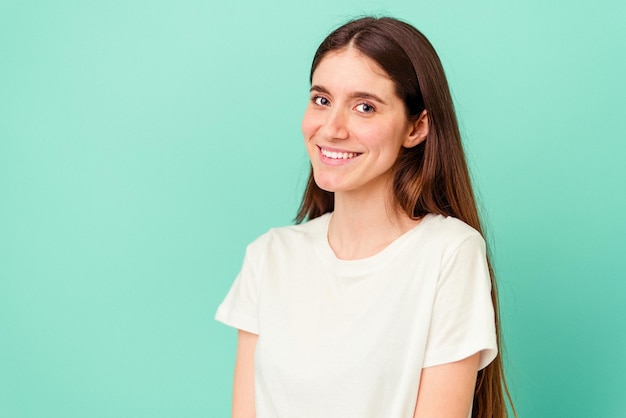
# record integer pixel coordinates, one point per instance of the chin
(326, 184)
(326, 187)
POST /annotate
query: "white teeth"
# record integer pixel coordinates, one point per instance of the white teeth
(338, 155)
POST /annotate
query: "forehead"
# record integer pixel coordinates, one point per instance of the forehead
(349, 65)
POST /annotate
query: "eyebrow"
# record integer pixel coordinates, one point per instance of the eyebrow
(353, 95)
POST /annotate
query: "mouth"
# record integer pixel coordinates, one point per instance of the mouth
(338, 155)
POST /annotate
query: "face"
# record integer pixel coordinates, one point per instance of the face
(355, 124)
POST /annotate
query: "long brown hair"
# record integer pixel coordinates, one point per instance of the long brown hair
(431, 177)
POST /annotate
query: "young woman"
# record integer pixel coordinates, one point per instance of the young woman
(382, 304)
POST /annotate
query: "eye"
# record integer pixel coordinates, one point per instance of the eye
(321, 101)
(365, 108)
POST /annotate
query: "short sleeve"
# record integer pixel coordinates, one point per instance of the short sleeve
(239, 307)
(463, 321)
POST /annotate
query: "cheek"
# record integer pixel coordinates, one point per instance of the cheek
(309, 124)
(309, 127)
(383, 139)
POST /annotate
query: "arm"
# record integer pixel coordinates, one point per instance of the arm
(243, 386)
(447, 391)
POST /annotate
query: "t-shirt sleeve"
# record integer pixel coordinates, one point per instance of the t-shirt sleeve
(463, 321)
(239, 307)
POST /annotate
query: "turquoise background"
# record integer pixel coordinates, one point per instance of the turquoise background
(143, 144)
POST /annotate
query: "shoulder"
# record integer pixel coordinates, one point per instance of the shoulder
(292, 236)
(448, 234)
(449, 227)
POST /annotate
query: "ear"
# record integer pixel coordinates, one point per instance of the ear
(418, 131)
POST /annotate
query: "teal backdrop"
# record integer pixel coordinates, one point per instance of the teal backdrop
(143, 144)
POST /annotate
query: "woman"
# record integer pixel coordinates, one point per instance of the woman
(382, 303)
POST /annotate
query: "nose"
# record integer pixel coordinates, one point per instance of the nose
(335, 126)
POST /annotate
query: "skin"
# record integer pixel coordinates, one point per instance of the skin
(354, 112)
(243, 383)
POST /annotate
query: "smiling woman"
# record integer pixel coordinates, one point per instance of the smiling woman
(381, 304)
(355, 125)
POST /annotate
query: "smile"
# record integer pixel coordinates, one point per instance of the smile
(338, 155)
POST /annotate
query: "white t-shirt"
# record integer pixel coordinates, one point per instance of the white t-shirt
(349, 338)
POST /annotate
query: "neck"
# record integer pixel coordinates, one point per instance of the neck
(362, 226)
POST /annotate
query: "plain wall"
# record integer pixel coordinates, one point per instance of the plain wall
(143, 145)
